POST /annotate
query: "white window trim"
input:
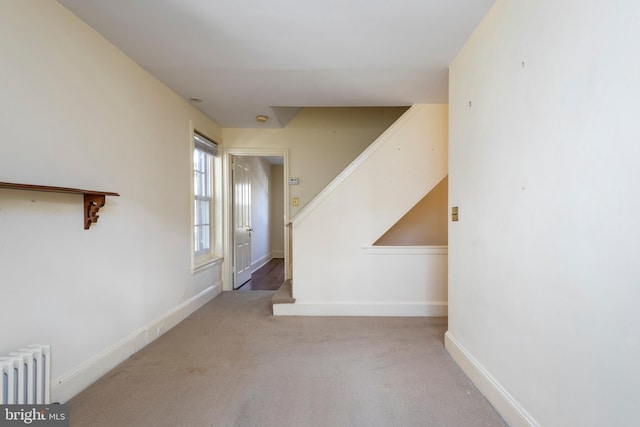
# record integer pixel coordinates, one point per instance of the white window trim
(210, 258)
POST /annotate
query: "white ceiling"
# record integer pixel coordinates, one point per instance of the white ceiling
(242, 57)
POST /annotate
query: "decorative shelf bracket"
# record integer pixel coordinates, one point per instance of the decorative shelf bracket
(92, 203)
(93, 200)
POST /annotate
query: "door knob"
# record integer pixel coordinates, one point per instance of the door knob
(249, 229)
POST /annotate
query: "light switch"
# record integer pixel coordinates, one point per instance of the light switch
(454, 213)
(296, 201)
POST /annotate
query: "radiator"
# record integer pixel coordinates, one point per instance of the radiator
(26, 376)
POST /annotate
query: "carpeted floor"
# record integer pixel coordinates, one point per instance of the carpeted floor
(233, 364)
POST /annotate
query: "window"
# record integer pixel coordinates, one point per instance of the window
(203, 153)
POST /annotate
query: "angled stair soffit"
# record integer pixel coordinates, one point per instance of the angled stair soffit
(424, 224)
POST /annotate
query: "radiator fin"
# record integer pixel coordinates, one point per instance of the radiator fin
(26, 376)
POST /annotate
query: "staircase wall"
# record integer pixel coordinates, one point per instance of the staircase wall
(334, 272)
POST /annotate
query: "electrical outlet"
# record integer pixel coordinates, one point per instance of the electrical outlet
(296, 201)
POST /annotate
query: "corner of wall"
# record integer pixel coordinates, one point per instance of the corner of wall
(506, 405)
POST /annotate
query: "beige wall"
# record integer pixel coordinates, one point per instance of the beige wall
(424, 225)
(543, 263)
(277, 211)
(76, 112)
(321, 143)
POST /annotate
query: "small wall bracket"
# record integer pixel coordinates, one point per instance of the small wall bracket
(92, 203)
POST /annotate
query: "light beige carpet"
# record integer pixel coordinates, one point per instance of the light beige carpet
(233, 364)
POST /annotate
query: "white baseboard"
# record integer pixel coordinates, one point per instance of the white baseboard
(279, 253)
(73, 382)
(260, 262)
(512, 412)
(390, 309)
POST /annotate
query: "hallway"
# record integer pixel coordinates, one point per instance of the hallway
(269, 277)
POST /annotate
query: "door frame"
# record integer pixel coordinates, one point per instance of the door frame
(227, 203)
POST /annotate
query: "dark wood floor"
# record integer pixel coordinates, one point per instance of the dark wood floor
(268, 278)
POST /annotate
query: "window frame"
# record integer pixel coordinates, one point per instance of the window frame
(204, 257)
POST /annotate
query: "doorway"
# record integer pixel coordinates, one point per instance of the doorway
(256, 215)
(269, 277)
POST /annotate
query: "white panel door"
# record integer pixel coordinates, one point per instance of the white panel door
(241, 221)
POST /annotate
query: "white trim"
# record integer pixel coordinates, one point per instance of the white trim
(508, 407)
(73, 382)
(261, 262)
(385, 309)
(279, 253)
(368, 152)
(210, 257)
(407, 250)
(207, 265)
(227, 236)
